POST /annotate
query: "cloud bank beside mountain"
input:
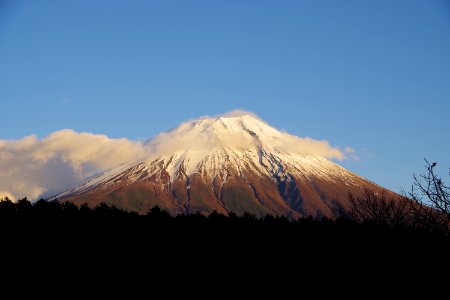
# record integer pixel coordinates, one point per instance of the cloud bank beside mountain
(35, 167)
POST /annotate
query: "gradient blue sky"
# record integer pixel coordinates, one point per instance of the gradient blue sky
(373, 75)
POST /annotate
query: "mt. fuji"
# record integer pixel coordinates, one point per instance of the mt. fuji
(233, 163)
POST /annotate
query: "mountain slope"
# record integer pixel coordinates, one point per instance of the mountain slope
(235, 163)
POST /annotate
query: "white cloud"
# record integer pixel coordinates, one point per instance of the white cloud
(236, 113)
(36, 167)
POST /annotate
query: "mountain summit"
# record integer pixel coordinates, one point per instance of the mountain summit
(232, 163)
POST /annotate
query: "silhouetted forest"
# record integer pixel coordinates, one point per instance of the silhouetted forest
(389, 221)
(374, 228)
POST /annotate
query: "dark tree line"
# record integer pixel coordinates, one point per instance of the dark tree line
(370, 217)
(373, 219)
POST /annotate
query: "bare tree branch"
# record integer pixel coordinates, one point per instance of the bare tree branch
(431, 198)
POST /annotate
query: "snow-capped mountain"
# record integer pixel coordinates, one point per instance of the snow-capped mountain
(234, 163)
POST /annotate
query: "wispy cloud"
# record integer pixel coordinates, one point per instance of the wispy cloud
(206, 133)
(351, 153)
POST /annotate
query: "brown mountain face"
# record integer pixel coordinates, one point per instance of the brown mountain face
(291, 195)
(238, 170)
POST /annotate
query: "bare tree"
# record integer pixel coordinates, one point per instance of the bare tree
(379, 208)
(431, 198)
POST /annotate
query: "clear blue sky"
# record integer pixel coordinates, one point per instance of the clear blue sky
(374, 75)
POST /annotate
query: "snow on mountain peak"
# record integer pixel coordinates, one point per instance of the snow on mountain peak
(238, 130)
(236, 145)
